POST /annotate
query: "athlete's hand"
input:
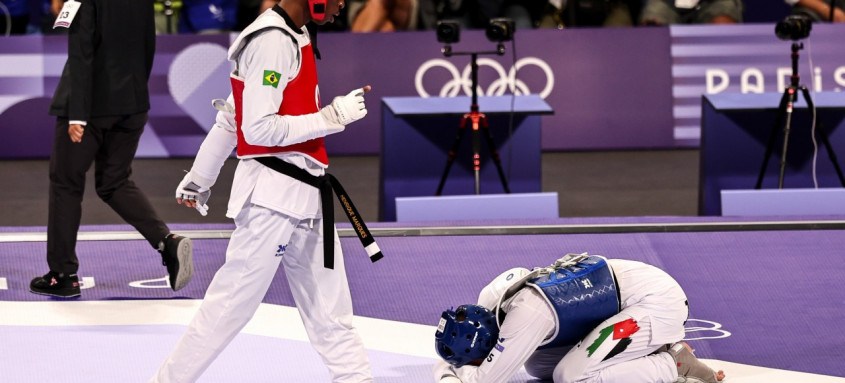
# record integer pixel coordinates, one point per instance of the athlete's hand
(347, 109)
(192, 195)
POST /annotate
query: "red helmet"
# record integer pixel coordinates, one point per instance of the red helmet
(317, 9)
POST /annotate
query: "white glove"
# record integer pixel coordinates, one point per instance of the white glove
(450, 379)
(190, 191)
(222, 105)
(346, 109)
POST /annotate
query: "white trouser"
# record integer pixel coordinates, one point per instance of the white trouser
(632, 365)
(252, 258)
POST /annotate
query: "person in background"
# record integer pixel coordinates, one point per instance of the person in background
(819, 10)
(101, 106)
(382, 15)
(666, 12)
(552, 16)
(590, 13)
(476, 14)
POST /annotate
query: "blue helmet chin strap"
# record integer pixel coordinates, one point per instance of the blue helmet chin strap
(465, 334)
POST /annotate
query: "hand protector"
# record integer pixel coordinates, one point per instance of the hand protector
(346, 109)
(190, 191)
(222, 106)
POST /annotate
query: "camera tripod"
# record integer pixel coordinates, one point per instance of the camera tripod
(478, 122)
(784, 118)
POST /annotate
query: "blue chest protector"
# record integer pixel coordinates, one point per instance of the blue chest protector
(583, 292)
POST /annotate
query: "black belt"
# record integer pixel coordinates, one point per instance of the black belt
(326, 184)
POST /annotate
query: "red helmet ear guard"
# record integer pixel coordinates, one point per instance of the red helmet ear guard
(317, 9)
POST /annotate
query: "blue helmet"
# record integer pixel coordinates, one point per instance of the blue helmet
(466, 334)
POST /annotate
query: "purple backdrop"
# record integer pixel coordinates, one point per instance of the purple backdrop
(630, 88)
(745, 59)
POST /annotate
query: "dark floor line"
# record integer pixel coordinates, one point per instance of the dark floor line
(605, 228)
(485, 230)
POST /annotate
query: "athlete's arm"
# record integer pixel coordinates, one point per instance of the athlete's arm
(529, 321)
(194, 190)
(267, 63)
(215, 149)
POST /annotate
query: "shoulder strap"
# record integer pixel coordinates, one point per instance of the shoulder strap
(510, 292)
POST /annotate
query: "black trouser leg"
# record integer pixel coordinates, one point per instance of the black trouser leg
(113, 167)
(69, 162)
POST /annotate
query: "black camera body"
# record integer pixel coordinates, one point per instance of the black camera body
(794, 27)
(500, 30)
(448, 31)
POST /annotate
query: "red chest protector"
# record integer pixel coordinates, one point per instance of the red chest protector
(300, 97)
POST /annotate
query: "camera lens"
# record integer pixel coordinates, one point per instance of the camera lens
(794, 27)
(500, 29)
(448, 32)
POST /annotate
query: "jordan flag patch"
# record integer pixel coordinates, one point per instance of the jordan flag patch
(620, 335)
(271, 78)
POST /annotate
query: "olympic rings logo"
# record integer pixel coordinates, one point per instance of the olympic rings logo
(506, 81)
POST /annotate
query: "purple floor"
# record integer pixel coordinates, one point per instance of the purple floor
(777, 292)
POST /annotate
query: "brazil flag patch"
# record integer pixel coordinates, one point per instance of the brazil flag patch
(271, 78)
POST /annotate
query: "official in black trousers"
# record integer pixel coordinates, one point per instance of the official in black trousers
(101, 106)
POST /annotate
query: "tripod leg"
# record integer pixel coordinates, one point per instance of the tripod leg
(823, 136)
(476, 149)
(771, 144)
(786, 127)
(494, 153)
(450, 159)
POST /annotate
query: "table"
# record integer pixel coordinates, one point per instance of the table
(735, 130)
(418, 132)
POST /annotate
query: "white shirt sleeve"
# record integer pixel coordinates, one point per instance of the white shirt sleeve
(529, 321)
(273, 52)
